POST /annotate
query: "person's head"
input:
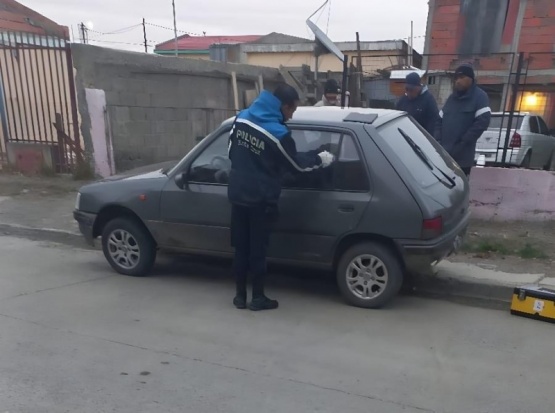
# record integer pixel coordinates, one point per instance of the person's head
(331, 91)
(289, 99)
(413, 85)
(464, 78)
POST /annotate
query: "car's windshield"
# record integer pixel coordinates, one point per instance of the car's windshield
(418, 152)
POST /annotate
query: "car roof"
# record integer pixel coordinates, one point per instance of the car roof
(334, 115)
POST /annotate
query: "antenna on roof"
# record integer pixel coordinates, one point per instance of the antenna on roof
(324, 45)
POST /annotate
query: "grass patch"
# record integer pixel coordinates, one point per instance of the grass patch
(531, 252)
(503, 247)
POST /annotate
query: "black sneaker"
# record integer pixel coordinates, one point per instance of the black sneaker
(263, 303)
(240, 302)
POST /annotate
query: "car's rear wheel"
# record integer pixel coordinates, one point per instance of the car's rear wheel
(369, 275)
(128, 247)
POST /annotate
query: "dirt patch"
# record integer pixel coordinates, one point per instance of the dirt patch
(516, 247)
(17, 184)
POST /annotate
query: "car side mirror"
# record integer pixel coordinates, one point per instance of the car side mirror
(181, 180)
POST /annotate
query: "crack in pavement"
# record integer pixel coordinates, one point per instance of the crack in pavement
(225, 366)
(56, 288)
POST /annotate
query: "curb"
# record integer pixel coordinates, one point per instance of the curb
(45, 234)
(462, 289)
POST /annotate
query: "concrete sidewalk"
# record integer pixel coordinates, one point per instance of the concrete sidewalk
(39, 213)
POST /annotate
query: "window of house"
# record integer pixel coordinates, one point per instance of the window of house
(348, 173)
(212, 166)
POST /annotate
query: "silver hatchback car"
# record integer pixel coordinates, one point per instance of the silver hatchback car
(393, 203)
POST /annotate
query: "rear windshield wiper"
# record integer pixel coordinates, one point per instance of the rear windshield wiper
(420, 153)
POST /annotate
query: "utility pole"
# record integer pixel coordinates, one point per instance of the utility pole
(411, 42)
(175, 27)
(144, 33)
(83, 30)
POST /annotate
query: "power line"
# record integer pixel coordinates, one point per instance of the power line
(118, 31)
(180, 31)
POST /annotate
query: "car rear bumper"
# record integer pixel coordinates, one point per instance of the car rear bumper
(86, 224)
(495, 156)
(420, 255)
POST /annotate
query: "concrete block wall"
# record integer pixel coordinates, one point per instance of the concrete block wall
(503, 195)
(158, 107)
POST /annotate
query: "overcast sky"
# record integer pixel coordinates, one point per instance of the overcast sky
(374, 19)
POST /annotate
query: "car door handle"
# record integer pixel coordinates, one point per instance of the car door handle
(346, 208)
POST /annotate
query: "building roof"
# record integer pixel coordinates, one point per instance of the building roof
(15, 17)
(203, 43)
(280, 38)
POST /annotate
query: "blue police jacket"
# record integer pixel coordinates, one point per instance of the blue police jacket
(423, 109)
(261, 149)
(461, 122)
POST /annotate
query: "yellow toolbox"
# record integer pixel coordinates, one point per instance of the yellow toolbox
(535, 302)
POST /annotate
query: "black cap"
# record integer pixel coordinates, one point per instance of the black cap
(465, 70)
(413, 80)
(331, 86)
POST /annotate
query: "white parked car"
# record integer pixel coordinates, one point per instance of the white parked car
(530, 143)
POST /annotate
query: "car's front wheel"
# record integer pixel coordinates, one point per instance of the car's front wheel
(128, 247)
(369, 275)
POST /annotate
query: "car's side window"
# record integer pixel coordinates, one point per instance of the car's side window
(534, 125)
(544, 130)
(348, 173)
(212, 166)
(349, 170)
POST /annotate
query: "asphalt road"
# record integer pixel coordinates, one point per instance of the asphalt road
(76, 337)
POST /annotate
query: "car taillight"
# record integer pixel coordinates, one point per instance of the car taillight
(516, 141)
(432, 228)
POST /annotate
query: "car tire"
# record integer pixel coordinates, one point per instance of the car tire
(369, 275)
(128, 247)
(526, 161)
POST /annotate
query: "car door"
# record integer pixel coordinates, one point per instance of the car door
(197, 217)
(547, 143)
(533, 141)
(318, 207)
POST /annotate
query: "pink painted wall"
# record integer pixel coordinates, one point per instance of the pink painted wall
(512, 194)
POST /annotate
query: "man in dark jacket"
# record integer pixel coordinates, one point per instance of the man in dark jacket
(419, 103)
(261, 149)
(465, 116)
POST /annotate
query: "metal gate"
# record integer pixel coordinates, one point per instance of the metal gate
(37, 98)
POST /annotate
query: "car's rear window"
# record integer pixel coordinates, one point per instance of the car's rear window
(502, 121)
(392, 134)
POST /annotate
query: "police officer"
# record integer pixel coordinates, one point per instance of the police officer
(261, 149)
(463, 119)
(419, 103)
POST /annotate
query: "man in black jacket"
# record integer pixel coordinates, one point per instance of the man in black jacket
(419, 103)
(465, 116)
(260, 149)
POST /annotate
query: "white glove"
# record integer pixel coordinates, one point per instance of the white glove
(327, 158)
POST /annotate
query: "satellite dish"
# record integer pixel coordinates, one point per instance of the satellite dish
(324, 43)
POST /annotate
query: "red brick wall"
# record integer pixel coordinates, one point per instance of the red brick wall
(537, 35)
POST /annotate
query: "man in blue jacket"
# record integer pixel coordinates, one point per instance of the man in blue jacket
(261, 149)
(465, 116)
(419, 103)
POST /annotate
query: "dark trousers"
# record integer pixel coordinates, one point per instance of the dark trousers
(467, 170)
(250, 235)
